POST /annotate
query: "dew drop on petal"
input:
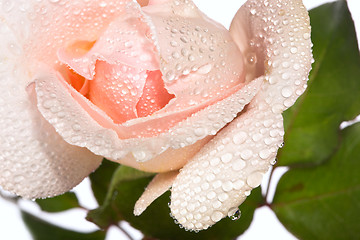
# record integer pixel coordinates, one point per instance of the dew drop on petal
(217, 216)
(254, 179)
(234, 213)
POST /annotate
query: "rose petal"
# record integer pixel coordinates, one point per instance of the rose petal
(127, 40)
(157, 187)
(199, 59)
(154, 96)
(218, 179)
(45, 26)
(280, 35)
(169, 160)
(34, 160)
(155, 2)
(245, 149)
(77, 127)
(117, 90)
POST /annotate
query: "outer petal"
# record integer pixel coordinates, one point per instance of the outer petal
(222, 174)
(127, 40)
(77, 127)
(43, 27)
(157, 187)
(219, 178)
(199, 59)
(34, 160)
(275, 37)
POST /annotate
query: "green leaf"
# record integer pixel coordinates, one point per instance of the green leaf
(104, 216)
(333, 94)
(41, 230)
(323, 202)
(60, 203)
(155, 222)
(101, 178)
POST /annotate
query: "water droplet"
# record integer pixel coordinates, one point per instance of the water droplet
(170, 75)
(184, 39)
(186, 71)
(205, 186)
(76, 127)
(254, 179)
(227, 186)
(210, 177)
(296, 66)
(128, 44)
(203, 209)
(103, 4)
(238, 184)
(216, 204)
(238, 165)
(306, 36)
(234, 213)
(174, 43)
(285, 76)
(273, 161)
(226, 157)
(246, 154)
(286, 92)
(286, 64)
(217, 184)
(211, 195)
(214, 161)
(205, 69)
(239, 138)
(251, 58)
(191, 58)
(197, 179)
(217, 216)
(293, 50)
(264, 154)
(140, 155)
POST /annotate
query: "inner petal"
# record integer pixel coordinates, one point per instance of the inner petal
(116, 89)
(155, 96)
(127, 40)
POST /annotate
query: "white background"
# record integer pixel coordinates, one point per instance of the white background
(265, 224)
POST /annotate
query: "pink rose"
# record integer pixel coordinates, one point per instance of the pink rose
(154, 85)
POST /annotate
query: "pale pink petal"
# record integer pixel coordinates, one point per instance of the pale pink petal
(157, 187)
(169, 160)
(43, 27)
(34, 160)
(199, 59)
(117, 89)
(127, 40)
(222, 174)
(155, 2)
(76, 126)
(220, 177)
(163, 121)
(154, 96)
(276, 34)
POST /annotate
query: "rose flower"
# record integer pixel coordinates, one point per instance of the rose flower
(155, 85)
